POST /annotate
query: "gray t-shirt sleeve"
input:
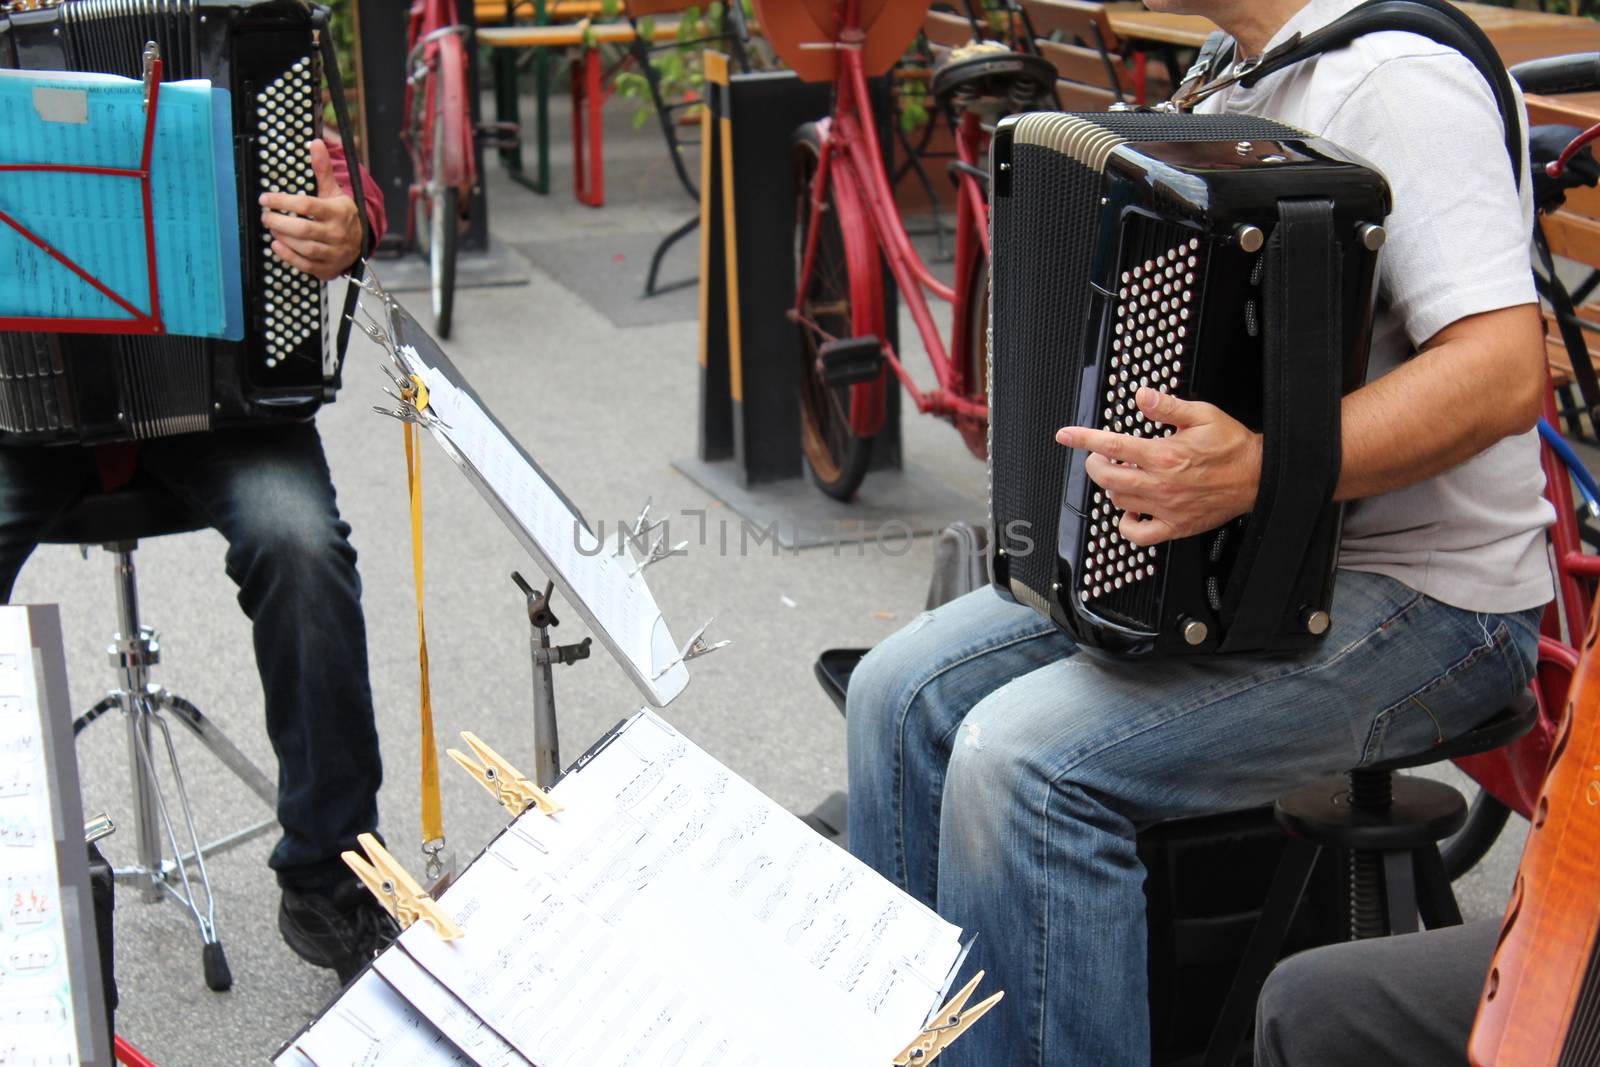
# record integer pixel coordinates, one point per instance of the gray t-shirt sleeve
(1458, 237)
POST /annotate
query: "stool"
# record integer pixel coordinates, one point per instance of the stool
(1390, 828)
(117, 521)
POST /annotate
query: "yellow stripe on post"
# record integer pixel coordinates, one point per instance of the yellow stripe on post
(731, 251)
(715, 65)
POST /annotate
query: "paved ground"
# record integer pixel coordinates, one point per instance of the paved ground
(605, 408)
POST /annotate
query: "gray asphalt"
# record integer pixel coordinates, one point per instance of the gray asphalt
(605, 408)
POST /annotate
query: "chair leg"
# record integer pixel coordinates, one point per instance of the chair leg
(1400, 892)
(213, 960)
(218, 743)
(1277, 916)
(1435, 898)
(651, 287)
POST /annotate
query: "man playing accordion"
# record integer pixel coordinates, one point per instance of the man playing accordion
(1000, 772)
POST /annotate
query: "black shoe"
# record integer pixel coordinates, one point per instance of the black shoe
(342, 928)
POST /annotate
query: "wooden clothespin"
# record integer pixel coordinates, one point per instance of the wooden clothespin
(396, 890)
(951, 1022)
(516, 793)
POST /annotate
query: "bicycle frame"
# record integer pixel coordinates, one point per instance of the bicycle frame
(436, 66)
(850, 140)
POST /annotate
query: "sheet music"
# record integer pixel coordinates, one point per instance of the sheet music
(37, 1022)
(453, 1018)
(370, 1026)
(673, 914)
(603, 578)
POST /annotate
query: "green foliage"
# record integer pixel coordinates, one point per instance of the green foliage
(678, 68)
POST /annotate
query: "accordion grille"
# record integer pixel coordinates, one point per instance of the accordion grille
(108, 36)
(1034, 369)
(1582, 1046)
(34, 392)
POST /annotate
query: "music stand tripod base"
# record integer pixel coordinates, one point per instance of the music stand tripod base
(146, 708)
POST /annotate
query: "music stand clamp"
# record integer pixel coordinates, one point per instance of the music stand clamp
(546, 738)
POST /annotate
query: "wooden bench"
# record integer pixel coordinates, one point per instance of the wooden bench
(493, 12)
(1085, 32)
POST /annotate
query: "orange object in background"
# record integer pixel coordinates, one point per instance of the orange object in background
(1541, 1004)
(803, 32)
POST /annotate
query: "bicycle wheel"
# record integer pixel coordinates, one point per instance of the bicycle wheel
(443, 222)
(838, 300)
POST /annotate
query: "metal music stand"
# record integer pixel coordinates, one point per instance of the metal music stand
(524, 497)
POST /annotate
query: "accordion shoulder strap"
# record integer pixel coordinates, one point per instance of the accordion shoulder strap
(1301, 376)
(369, 240)
(1436, 20)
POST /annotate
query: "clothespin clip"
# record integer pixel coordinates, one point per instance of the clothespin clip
(396, 890)
(152, 71)
(514, 792)
(658, 552)
(951, 1022)
(694, 648)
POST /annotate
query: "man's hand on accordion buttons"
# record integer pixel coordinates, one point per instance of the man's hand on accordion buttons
(1168, 487)
(320, 234)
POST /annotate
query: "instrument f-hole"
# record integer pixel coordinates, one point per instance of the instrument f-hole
(1591, 792)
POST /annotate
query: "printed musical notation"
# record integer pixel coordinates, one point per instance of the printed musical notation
(36, 1005)
(371, 1026)
(673, 914)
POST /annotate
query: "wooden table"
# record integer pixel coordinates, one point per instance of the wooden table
(1518, 34)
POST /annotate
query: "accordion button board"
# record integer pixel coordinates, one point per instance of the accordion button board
(93, 389)
(1135, 249)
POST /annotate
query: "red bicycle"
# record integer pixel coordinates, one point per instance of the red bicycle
(439, 136)
(847, 228)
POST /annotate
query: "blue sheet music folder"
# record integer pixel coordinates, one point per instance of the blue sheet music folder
(97, 220)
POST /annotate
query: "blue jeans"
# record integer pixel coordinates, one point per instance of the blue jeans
(999, 773)
(269, 493)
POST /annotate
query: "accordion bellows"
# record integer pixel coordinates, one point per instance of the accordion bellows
(1229, 259)
(92, 389)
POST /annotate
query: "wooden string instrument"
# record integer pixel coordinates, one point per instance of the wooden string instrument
(1541, 1001)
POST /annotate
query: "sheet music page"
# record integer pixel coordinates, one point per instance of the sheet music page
(37, 1026)
(446, 1011)
(603, 577)
(97, 220)
(371, 1026)
(674, 915)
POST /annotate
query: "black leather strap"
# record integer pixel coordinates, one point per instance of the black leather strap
(358, 191)
(1434, 19)
(1301, 384)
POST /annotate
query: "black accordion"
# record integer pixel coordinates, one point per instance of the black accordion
(91, 388)
(1225, 259)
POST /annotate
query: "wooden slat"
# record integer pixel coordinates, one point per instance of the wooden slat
(1581, 110)
(1075, 20)
(1077, 64)
(1584, 200)
(1074, 96)
(568, 35)
(1574, 237)
(641, 8)
(946, 30)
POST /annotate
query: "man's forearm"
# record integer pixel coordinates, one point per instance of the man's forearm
(1476, 382)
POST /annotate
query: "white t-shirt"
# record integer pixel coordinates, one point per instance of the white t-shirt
(1458, 245)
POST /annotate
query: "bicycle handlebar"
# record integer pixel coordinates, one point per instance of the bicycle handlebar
(1577, 73)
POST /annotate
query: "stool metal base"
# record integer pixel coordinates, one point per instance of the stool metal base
(146, 709)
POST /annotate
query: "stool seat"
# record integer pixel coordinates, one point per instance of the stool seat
(142, 508)
(1504, 727)
(1420, 812)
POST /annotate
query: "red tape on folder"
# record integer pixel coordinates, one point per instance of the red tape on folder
(141, 322)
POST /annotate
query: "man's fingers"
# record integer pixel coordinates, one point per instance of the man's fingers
(322, 167)
(1119, 478)
(290, 226)
(1170, 410)
(290, 204)
(1117, 446)
(314, 250)
(294, 258)
(1144, 532)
